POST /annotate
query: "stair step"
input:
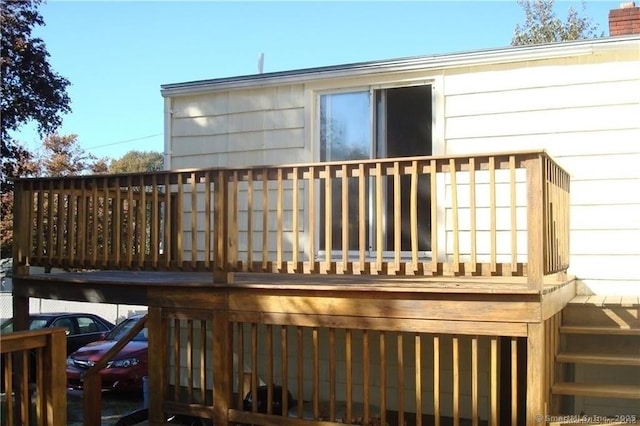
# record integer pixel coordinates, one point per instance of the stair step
(585, 329)
(597, 390)
(578, 358)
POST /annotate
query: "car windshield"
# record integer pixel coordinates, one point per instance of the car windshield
(123, 328)
(34, 324)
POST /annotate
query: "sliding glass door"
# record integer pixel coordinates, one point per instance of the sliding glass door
(377, 123)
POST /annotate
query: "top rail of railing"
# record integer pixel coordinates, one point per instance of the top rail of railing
(503, 214)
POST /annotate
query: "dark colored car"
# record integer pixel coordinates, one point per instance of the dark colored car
(125, 371)
(81, 328)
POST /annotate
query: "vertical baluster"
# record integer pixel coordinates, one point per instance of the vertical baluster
(240, 355)
(73, 235)
(265, 219)
(284, 345)
(328, 218)
(167, 222)
(379, 224)
(250, 220)
(142, 223)
(108, 218)
(397, 216)
(418, 358)
(473, 213)
(254, 367)
(548, 213)
(474, 381)
(300, 364)
(434, 217)
(400, 350)
(514, 381)
(332, 374)
(294, 221)
(269, 333)
(193, 179)
(51, 227)
(179, 228)
(279, 219)
(62, 222)
(454, 215)
(362, 231)
(117, 223)
(316, 374)
(493, 377)
(233, 220)
(155, 221)
(40, 235)
(383, 378)
(312, 219)
(345, 218)
(366, 397)
(349, 374)
(176, 359)
(492, 204)
(208, 210)
(436, 380)
(414, 215)
(129, 241)
(92, 223)
(203, 361)
(455, 349)
(189, 358)
(513, 205)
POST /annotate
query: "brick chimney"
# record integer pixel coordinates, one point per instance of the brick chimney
(625, 20)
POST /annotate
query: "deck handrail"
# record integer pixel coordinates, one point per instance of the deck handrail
(48, 347)
(495, 214)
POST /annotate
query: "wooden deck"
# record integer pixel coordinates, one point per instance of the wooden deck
(334, 280)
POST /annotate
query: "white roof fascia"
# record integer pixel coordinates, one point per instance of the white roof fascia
(481, 57)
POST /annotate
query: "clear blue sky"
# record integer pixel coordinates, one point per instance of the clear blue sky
(117, 54)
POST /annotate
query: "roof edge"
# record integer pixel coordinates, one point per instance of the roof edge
(446, 60)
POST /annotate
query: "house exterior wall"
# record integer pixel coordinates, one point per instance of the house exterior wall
(238, 128)
(582, 108)
(583, 111)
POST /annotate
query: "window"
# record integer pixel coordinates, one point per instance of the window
(89, 325)
(66, 323)
(377, 123)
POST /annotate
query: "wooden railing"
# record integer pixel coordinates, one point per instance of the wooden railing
(370, 372)
(37, 357)
(481, 215)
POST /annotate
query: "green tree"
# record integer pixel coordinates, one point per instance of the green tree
(137, 161)
(31, 89)
(542, 25)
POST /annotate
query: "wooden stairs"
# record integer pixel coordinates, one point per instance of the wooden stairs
(599, 356)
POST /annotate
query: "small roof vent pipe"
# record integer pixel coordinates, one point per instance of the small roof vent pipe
(260, 62)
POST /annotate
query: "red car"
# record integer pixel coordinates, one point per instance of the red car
(125, 371)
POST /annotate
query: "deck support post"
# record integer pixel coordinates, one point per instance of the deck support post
(157, 364)
(20, 322)
(222, 367)
(536, 384)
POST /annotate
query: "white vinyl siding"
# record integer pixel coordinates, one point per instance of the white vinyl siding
(237, 128)
(585, 114)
